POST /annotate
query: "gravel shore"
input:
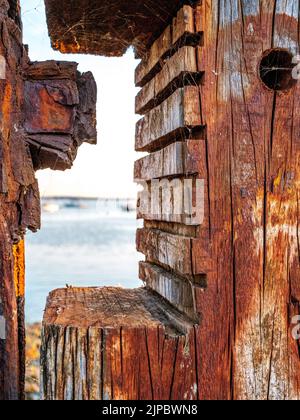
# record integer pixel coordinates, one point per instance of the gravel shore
(33, 342)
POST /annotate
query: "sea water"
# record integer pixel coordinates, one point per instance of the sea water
(81, 243)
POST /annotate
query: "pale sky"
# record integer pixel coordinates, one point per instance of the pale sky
(105, 170)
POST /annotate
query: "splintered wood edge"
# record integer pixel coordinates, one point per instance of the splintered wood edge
(113, 308)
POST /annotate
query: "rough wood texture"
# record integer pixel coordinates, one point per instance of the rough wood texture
(169, 120)
(178, 291)
(37, 101)
(247, 248)
(249, 233)
(107, 29)
(182, 255)
(176, 159)
(174, 184)
(16, 179)
(179, 70)
(19, 279)
(90, 351)
(181, 32)
(60, 113)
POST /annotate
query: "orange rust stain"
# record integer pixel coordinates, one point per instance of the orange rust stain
(49, 115)
(67, 48)
(19, 268)
(6, 105)
(7, 115)
(278, 180)
(53, 115)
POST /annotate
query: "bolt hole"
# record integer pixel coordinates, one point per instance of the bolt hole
(276, 68)
(200, 281)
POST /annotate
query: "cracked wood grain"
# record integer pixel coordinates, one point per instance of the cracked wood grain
(94, 351)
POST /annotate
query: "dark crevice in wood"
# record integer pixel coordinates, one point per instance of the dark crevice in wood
(102, 362)
(178, 323)
(174, 370)
(273, 121)
(172, 228)
(14, 12)
(187, 40)
(22, 344)
(196, 363)
(73, 358)
(190, 282)
(232, 380)
(180, 134)
(184, 79)
(200, 280)
(149, 363)
(276, 69)
(208, 186)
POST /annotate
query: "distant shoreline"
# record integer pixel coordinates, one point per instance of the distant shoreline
(88, 198)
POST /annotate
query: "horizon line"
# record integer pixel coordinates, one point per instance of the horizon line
(78, 197)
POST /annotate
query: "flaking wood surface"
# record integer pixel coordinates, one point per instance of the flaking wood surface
(107, 308)
(178, 112)
(107, 29)
(182, 31)
(247, 246)
(181, 68)
(60, 113)
(47, 110)
(19, 199)
(246, 251)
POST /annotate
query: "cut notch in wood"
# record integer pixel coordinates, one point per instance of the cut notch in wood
(178, 291)
(179, 158)
(185, 78)
(177, 117)
(184, 68)
(181, 33)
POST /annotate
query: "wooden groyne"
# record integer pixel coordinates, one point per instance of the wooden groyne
(47, 110)
(220, 104)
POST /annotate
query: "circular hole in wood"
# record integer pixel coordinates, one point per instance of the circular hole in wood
(276, 68)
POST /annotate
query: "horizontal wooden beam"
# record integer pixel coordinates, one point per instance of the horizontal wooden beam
(180, 111)
(178, 70)
(160, 47)
(52, 70)
(183, 23)
(187, 257)
(182, 27)
(180, 200)
(179, 158)
(177, 291)
(171, 251)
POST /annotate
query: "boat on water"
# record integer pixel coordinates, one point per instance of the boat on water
(74, 205)
(51, 207)
(128, 207)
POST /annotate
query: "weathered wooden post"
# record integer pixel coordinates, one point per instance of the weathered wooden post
(46, 111)
(221, 103)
